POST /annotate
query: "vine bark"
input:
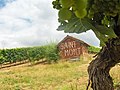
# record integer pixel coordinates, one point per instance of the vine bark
(99, 68)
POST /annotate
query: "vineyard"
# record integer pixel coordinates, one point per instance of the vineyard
(48, 53)
(61, 75)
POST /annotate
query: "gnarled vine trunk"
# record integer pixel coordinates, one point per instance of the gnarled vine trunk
(98, 70)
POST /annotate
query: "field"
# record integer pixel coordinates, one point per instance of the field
(63, 75)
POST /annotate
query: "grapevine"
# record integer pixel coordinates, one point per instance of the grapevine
(101, 16)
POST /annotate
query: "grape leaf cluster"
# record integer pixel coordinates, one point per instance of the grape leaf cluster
(69, 7)
(101, 16)
(107, 7)
(103, 11)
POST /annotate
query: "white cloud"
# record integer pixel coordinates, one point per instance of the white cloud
(32, 22)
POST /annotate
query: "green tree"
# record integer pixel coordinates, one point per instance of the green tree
(103, 18)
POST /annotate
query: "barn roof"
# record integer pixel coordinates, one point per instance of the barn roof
(73, 38)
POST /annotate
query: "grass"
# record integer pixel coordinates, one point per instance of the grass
(115, 73)
(59, 76)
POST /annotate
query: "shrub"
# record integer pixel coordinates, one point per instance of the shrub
(93, 49)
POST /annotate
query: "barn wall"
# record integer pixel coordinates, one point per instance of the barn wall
(71, 48)
(84, 49)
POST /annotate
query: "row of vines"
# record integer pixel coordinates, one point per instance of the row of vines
(48, 53)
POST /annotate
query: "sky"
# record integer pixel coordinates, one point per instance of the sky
(25, 23)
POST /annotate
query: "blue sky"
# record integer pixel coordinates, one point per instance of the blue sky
(26, 23)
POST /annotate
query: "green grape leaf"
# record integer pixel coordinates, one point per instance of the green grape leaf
(106, 31)
(66, 3)
(75, 25)
(103, 33)
(80, 4)
(64, 14)
(101, 37)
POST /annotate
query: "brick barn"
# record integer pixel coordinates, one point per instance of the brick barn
(71, 47)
